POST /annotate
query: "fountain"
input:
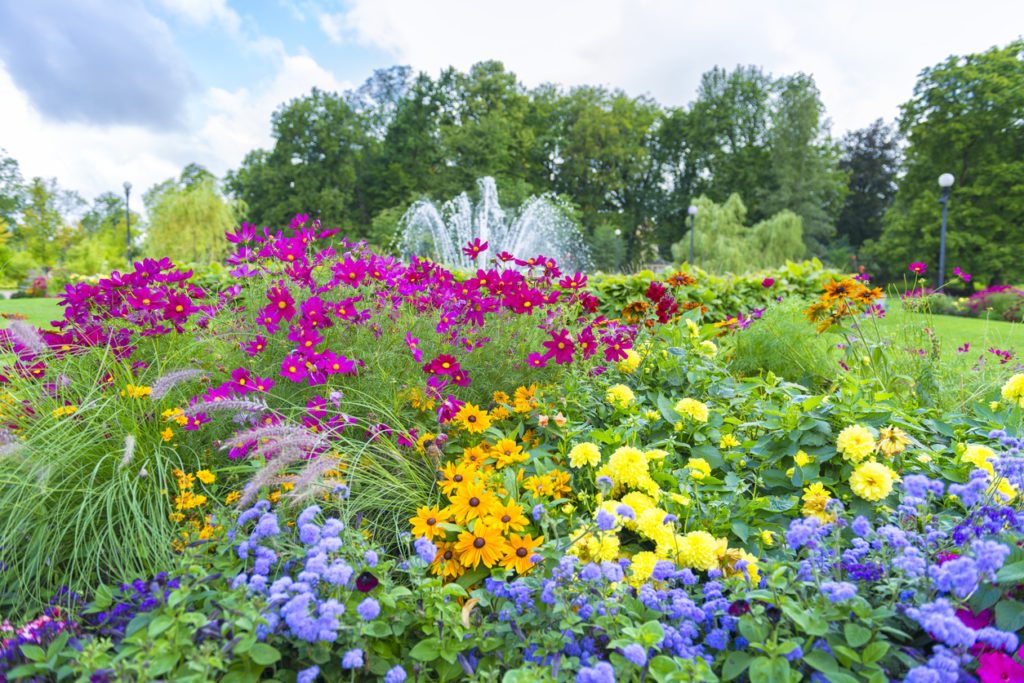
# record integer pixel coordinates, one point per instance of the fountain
(541, 226)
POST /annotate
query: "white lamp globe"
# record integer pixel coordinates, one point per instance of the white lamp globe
(946, 180)
(692, 211)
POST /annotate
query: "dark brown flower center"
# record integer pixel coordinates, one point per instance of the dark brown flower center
(457, 478)
(474, 501)
(505, 519)
(447, 554)
(431, 521)
(521, 552)
(479, 543)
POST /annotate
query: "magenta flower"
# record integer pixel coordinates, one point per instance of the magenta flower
(474, 248)
(351, 272)
(256, 346)
(195, 422)
(918, 268)
(293, 367)
(282, 305)
(767, 282)
(536, 360)
(413, 344)
(655, 291)
(997, 667)
(966, 277)
(505, 257)
(965, 348)
(560, 347)
(577, 281)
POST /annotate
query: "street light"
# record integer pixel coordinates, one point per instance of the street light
(693, 219)
(946, 183)
(127, 225)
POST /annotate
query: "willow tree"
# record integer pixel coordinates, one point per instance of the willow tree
(188, 217)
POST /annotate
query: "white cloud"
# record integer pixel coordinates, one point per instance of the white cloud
(205, 12)
(332, 25)
(865, 56)
(225, 125)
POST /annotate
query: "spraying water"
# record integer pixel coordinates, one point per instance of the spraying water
(540, 227)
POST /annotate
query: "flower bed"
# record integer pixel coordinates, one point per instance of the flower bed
(341, 465)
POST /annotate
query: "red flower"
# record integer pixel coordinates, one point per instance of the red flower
(655, 291)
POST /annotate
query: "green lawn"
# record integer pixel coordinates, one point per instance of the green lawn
(954, 331)
(39, 311)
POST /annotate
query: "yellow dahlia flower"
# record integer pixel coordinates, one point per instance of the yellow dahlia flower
(641, 567)
(584, 454)
(1013, 390)
(872, 481)
(620, 396)
(693, 409)
(699, 468)
(855, 443)
(630, 363)
(700, 550)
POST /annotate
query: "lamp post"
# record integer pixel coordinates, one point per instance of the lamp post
(946, 183)
(693, 219)
(127, 225)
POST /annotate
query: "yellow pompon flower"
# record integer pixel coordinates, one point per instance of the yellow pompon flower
(693, 327)
(728, 441)
(501, 398)
(768, 538)
(472, 501)
(483, 544)
(652, 415)
(585, 453)
(655, 454)
(651, 523)
(641, 567)
(638, 502)
(1013, 390)
(801, 459)
(979, 456)
(620, 396)
(630, 363)
(699, 468)
(508, 452)
(446, 563)
(734, 556)
(993, 405)
(700, 550)
(521, 550)
(427, 522)
(499, 413)
(206, 476)
(707, 348)
(627, 467)
(815, 498)
(232, 498)
(595, 546)
(855, 443)
(872, 481)
(892, 441)
(167, 434)
(693, 409)
(524, 399)
(472, 419)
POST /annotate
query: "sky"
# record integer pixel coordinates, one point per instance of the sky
(99, 92)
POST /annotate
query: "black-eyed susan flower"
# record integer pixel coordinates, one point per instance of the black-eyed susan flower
(521, 550)
(484, 544)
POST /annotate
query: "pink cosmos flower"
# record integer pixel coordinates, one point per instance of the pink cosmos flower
(474, 248)
(537, 360)
(997, 667)
(918, 268)
(413, 344)
(966, 277)
(560, 347)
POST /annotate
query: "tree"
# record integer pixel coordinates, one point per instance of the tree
(871, 157)
(188, 217)
(965, 119)
(42, 220)
(12, 188)
(806, 175)
(318, 140)
(723, 243)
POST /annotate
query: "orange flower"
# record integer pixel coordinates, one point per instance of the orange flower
(472, 501)
(483, 544)
(446, 564)
(520, 553)
(427, 520)
(509, 516)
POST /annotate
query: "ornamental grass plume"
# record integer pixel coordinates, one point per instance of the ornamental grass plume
(28, 336)
(129, 449)
(168, 381)
(309, 481)
(237, 405)
(267, 475)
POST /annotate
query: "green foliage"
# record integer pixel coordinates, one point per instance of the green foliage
(871, 156)
(188, 218)
(784, 343)
(724, 244)
(964, 119)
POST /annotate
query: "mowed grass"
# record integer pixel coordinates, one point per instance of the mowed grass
(39, 312)
(954, 331)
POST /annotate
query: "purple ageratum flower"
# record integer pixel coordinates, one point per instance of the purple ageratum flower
(839, 591)
(353, 659)
(538, 512)
(605, 520)
(371, 558)
(626, 511)
(395, 674)
(958, 576)
(861, 526)
(591, 572)
(368, 609)
(940, 621)
(425, 549)
(663, 570)
(602, 672)
(308, 675)
(635, 654)
(989, 556)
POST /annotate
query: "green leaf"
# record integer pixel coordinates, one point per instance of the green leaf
(735, 664)
(769, 670)
(1010, 616)
(752, 629)
(264, 654)
(875, 651)
(160, 624)
(822, 661)
(34, 653)
(426, 650)
(1011, 573)
(856, 635)
(163, 663)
